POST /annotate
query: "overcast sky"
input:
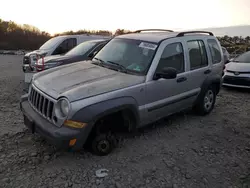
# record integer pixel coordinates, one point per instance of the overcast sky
(60, 15)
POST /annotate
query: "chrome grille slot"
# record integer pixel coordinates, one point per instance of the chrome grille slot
(41, 103)
(50, 109)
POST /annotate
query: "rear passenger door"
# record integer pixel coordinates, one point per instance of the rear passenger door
(197, 64)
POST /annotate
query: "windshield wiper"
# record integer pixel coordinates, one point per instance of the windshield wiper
(119, 65)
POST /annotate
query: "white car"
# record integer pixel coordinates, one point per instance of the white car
(237, 72)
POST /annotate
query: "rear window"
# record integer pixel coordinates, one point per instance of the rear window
(214, 50)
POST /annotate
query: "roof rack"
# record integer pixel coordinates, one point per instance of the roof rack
(166, 30)
(181, 34)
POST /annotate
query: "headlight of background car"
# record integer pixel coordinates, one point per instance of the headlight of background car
(62, 108)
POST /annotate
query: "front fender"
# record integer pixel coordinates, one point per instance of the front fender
(95, 111)
(90, 114)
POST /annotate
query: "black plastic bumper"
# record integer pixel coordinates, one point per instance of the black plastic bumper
(58, 136)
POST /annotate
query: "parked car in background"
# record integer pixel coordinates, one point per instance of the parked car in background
(55, 46)
(237, 72)
(134, 80)
(58, 45)
(84, 51)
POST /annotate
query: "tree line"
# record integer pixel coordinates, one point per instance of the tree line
(26, 37)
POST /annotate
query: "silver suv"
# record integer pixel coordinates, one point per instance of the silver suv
(134, 80)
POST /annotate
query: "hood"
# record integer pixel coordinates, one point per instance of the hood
(82, 80)
(238, 67)
(40, 52)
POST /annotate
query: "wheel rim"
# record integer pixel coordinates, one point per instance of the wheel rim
(103, 146)
(208, 100)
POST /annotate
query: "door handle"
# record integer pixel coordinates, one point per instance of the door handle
(207, 71)
(181, 79)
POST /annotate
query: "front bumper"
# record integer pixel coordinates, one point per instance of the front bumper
(236, 81)
(58, 136)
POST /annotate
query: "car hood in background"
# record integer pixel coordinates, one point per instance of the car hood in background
(238, 67)
(39, 52)
(82, 80)
(56, 58)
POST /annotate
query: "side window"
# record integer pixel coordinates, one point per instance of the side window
(215, 50)
(172, 56)
(65, 46)
(71, 43)
(197, 54)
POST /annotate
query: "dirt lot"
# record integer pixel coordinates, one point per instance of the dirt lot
(183, 151)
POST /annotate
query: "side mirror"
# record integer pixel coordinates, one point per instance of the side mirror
(91, 55)
(166, 73)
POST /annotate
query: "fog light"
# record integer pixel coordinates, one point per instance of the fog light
(72, 142)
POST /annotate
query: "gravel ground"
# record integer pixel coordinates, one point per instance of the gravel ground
(181, 151)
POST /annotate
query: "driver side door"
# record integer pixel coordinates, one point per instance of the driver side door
(167, 96)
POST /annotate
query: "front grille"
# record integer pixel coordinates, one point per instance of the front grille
(241, 81)
(26, 60)
(41, 103)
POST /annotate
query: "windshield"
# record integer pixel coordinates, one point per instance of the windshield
(82, 48)
(133, 55)
(50, 43)
(243, 58)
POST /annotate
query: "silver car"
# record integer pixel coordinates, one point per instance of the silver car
(237, 72)
(134, 80)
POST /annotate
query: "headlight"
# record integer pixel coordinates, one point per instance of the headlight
(62, 108)
(40, 62)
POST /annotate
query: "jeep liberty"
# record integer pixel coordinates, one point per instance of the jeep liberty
(134, 80)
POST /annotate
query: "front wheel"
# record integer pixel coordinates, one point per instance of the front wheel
(206, 103)
(103, 144)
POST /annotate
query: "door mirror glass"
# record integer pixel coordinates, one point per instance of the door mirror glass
(167, 73)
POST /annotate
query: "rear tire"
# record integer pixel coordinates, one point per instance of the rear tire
(206, 102)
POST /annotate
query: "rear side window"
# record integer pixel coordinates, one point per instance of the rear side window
(172, 56)
(215, 50)
(197, 54)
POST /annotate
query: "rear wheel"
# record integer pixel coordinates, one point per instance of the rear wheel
(206, 103)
